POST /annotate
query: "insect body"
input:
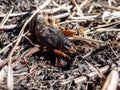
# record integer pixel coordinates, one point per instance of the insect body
(50, 37)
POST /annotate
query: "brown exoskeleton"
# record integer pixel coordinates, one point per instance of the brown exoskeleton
(51, 37)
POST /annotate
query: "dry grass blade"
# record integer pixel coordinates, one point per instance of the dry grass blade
(10, 76)
(15, 14)
(79, 11)
(103, 30)
(84, 78)
(94, 69)
(45, 4)
(62, 7)
(89, 39)
(31, 51)
(92, 74)
(83, 3)
(62, 15)
(6, 17)
(92, 17)
(91, 67)
(3, 74)
(108, 25)
(10, 73)
(110, 7)
(112, 81)
(7, 27)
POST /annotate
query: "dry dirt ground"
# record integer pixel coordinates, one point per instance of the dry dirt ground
(26, 65)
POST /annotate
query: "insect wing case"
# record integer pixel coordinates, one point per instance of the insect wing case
(53, 38)
(47, 35)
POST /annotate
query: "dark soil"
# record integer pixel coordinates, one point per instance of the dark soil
(34, 67)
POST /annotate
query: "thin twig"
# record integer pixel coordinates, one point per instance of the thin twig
(63, 7)
(92, 17)
(15, 14)
(110, 7)
(103, 30)
(106, 6)
(79, 11)
(83, 3)
(89, 39)
(96, 69)
(7, 27)
(62, 15)
(108, 25)
(84, 78)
